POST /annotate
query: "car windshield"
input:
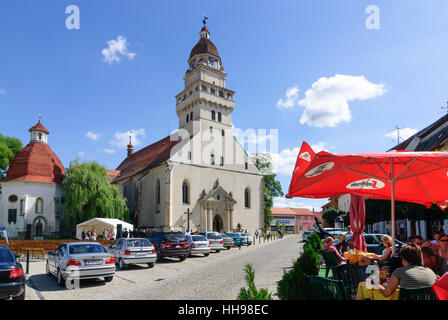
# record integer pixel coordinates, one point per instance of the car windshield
(138, 243)
(245, 234)
(198, 238)
(175, 236)
(233, 235)
(214, 235)
(86, 248)
(5, 256)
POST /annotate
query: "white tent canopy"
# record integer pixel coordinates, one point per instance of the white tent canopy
(100, 224)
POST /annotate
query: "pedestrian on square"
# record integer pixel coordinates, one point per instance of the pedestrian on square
(125, 233)
(83, 234)
(256, 234)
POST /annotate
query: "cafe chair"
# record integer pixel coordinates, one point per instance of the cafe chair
(422, 293)
(331, 260)
(321, 288)
(350, 275)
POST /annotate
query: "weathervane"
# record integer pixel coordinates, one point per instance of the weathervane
(40, 117)
(204, 21)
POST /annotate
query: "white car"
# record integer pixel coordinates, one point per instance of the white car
(199, 244)
(247, 239)
(215, 239)
(133, 251)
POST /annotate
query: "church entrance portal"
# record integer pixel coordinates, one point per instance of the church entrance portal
(218, 224)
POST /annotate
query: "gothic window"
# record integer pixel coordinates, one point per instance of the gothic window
(187, 117)
(39, 205)
(222, 132)
(212, 91)
(247, 198)
(185, 193)
(219, 117)
(191, 116)
(212, 159)
(246, 165)
(213, 115)
(157, 200)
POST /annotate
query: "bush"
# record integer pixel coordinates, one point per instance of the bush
(293, 285)
(252, 293)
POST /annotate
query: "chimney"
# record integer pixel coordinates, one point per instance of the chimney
(130, 147)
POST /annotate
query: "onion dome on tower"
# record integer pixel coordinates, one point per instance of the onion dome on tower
(36, 162)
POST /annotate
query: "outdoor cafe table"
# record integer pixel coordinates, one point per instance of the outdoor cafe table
(357, 256)
(373, 293)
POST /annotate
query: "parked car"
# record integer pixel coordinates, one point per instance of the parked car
(247, 239)
(199, 245)
(228, 241)
(80, 260)
(170, 244)
(306, 234)
(237, 238)
(373, 242)
(12, 278)
(216, 240)
(133, 251)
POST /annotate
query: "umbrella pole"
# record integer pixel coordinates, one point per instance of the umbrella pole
(392, 218)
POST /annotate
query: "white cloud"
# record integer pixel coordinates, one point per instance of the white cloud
(115, 49)
(292, 95)
(283, 163)
(109, 151)
(122, 138)
(93, 136)
(2, 91)
(404, 133)
(326, 102)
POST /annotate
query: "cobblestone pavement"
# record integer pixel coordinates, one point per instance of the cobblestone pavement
(217, 277)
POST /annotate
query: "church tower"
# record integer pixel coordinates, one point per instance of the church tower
(205, 100)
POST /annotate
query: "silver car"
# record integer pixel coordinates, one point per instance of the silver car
(199, 245)
(247, 239)
(133, 251)
(80, 260)
(215, 239)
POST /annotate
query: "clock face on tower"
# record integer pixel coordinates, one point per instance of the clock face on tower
(213, 62)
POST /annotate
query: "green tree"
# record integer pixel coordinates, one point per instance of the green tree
(251, 293)
(272, 187)
(89, 195)
(8, 149)
(331, 213)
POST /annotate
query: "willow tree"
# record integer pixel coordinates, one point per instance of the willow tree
(272, 187)
(8, 149)
(88, 194)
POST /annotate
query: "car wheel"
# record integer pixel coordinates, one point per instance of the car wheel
(228, 248)
(121, 264)
(22, 296)
(151, 265)
(60, 278)
(182, 258)
(217, 251)
(108, 279)
(206, 254)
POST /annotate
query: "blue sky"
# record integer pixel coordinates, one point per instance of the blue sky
(394, 75)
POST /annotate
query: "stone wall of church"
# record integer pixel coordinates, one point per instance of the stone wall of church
(202, 178)
(24, 211)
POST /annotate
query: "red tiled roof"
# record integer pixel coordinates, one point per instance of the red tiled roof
(36, 162)
(146, 158)
(204, 45)
(293, 211)
(39, 127)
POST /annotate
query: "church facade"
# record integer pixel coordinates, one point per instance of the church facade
(199, 178)
(31, 192)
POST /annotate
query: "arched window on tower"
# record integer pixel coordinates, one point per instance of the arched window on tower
(157, 195)
(219, 117)
(247, 198)
(39, 205)
(213, 115)
(185, 192)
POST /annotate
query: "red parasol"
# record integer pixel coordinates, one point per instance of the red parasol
(418, 177)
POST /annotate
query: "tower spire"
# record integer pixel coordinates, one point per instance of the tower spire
(130, 146)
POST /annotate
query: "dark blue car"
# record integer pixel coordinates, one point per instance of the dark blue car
(12, 277)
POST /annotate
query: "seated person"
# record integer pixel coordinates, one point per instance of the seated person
(433, 261)
(412, 274)
(416, 239)
(329, 246)
(443, 242)
(342, 245)
(386, 254)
